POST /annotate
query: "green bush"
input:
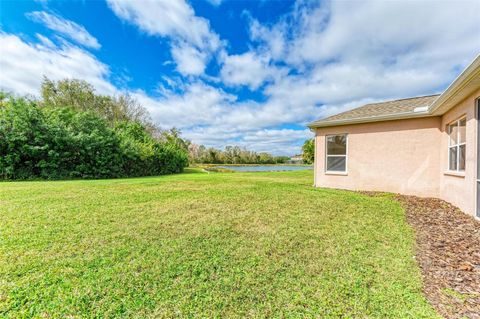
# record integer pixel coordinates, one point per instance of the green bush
(55, 142)
(144, 155)
(82, 146)
(24, 139)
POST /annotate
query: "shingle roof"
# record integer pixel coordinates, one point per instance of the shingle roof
(381, 109)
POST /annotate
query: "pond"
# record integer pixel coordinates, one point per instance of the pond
(265, 168)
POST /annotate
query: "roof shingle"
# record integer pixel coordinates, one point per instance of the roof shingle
(386, 108)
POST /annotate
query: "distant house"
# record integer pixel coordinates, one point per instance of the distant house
(426, 146)
(296, 159)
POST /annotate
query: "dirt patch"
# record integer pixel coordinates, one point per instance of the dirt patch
(448, 253)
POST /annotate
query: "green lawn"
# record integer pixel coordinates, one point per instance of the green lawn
(204, 245)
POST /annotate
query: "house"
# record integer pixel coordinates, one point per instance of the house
(427, 146)
(296, 159)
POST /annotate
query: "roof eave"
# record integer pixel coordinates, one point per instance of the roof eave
(369, 119)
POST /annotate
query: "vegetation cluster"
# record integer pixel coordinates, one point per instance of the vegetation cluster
(200, 154)
(72, 132)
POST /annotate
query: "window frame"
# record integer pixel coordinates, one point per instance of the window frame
(457, 145)
(345, 172)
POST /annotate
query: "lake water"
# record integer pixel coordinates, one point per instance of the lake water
(266, 168)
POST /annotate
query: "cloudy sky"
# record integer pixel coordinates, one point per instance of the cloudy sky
(249, 73)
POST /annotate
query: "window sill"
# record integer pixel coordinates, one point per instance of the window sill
(337, 173)
(453, 173)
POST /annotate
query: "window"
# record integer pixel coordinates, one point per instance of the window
(456, 145)
(336, 153)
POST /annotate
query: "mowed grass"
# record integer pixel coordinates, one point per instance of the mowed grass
(204, 245)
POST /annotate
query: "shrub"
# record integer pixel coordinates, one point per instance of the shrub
(24, 139)
(55, 142)
(83, 146)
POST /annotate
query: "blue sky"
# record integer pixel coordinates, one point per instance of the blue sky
(249, 73)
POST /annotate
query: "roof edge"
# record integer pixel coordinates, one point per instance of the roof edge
(369, 119)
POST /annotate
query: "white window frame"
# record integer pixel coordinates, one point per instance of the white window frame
(456, 145)
(327, 156)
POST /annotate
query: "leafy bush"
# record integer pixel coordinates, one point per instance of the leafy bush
(144, 155)
(24, 139)
(55, 142)
(82, 146)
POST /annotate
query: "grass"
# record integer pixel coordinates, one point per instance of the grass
(204, 245)
(461, 297)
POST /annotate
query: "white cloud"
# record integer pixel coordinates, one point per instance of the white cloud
(167, 18)
(199, 104)
(45, 41)
(189, 60)
(23, 65)
(342, 83)
(382, 32)
(248, 69)
(273, 39)
(65, 27)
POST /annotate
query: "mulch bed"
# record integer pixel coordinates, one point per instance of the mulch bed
(448, 253)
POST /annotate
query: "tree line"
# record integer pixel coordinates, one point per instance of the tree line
(72, 132)
(231, 155)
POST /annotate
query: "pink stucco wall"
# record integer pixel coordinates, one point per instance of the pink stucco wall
(394, 156)
(404, 156)
(460, 189)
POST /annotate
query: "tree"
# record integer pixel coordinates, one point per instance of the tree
(77, 94)
(172, 137)
(213, 155)
(308, 150)
(281, 159)
(81, 96)
(265, 158)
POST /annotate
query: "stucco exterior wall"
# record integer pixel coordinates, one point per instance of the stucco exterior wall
(460, 189)
(400, 156)
(405, 156)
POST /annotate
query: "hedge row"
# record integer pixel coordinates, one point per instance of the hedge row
(62, 142)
